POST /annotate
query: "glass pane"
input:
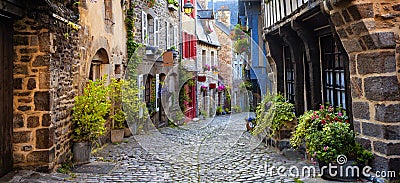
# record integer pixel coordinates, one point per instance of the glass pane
(338, 81)
(343, 100)
(342, 80)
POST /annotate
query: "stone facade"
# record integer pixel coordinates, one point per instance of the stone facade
(53, 52)
(369, 33)
(365, 36)
(46, 64)
(153, 63)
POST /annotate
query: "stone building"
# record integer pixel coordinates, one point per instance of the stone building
(157, 29)
(208, 62)
(54, 47)
(343, 52)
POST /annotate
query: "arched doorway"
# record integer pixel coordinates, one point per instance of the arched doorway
(99, 65)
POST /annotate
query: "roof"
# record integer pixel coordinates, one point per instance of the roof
(223, 27)
(205, 31)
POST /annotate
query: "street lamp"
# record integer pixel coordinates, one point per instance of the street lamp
(188, 7)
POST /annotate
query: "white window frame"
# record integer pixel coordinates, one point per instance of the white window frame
(156, 32)
(168, 43)
(145, 31)
(176, 36)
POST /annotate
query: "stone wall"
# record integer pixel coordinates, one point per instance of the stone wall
(369, 31)
(45, 62)
(225, 56)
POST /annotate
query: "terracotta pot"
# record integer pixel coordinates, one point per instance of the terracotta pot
(117, 135)
(127, 132)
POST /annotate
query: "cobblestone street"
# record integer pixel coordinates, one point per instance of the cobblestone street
(217, 150)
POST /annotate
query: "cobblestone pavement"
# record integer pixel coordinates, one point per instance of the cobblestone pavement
(217, 150)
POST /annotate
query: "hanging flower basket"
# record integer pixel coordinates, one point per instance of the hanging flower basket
(206, 67)
(221, 88)
(201, 78)
(203, 88)
(212, 85)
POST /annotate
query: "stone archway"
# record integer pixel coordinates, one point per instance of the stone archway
(99, 65)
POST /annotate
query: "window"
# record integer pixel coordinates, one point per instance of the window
(169, 35)
(203, 57)
(212, 58)
(145, 31)
(176, 36)
(289, 75)
(156, 31)
(148, 89)
(108, 18)
(95, 71)
(334, 86)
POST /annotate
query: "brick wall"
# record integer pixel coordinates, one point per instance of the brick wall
(369, 31)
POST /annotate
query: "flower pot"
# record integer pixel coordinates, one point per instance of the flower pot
(344, 172)
(81, 152)
(127, 132)
(117, 135)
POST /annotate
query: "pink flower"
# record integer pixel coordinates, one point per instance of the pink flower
(326, 148)
(340, 114)
(312, 117)
(323, 122)
(315, 153)
(321, 107)
(315, 112)
(317, 117)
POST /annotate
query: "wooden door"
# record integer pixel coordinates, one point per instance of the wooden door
(6, 94)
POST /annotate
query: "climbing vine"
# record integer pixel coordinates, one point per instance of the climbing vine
(132, 45)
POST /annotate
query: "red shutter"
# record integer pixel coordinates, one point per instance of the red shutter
(194, 10)
(191, 46)
(195, 46)
(184, 45)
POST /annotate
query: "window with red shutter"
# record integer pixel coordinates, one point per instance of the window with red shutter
(184, 44)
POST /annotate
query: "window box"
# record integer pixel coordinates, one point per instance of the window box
(212, 85)
(172, 7)
(201, 78)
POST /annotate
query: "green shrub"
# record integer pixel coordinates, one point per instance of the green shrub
(90, 112)
(276, 117)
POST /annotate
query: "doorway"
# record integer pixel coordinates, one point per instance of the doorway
(6, 94)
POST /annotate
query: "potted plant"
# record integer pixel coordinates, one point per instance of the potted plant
(206, 67)
(203, 88)
(329, 139)
(219, 110)
(227, 110)
(278, 117)
(221, 88)
(117, 115)
(203, 114)
(173, 5)
(173, 50)
(89, 116)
